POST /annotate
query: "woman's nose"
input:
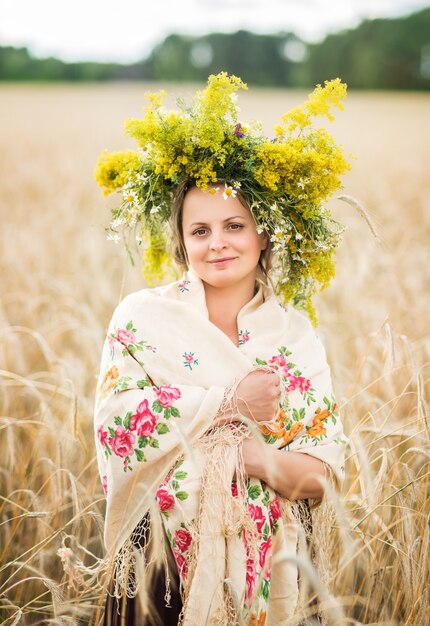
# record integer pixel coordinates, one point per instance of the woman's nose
(217, 243)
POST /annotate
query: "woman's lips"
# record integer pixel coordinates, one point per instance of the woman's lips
(221, 262)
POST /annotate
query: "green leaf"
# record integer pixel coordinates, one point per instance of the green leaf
(265, 589)
(122, 383)
(266, 530)
(127, 420)
(131, 348)
(266, 499)
(175, 485)
(167, 413)
(139, 454)
(142, 442)
(272, 439)
(117, 420)
(111, 431)
(162, 429)
(129, 325)
(143, 383)
(326, 401)
(181, 495)
(156, 406)
(153, 442)
(283, 350)
(260, 361)
(180, 475)
(175, 412)
(254, 491)
(334, 419)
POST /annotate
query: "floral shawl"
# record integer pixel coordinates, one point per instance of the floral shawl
(166, 371)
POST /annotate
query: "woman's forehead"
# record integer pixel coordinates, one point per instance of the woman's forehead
(202, 206)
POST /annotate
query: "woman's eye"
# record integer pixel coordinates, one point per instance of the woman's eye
(235, 226)
(200, 231)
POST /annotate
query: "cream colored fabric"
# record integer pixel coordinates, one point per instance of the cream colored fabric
(165, 373)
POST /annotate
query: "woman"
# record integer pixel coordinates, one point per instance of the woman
(214, 412)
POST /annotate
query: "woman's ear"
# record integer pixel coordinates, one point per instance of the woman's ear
(264, 237)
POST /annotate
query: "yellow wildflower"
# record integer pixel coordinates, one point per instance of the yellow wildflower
(113, 169)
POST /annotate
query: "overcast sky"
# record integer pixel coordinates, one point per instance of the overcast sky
(126, 30)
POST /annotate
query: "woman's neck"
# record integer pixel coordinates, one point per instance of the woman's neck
(224, 304)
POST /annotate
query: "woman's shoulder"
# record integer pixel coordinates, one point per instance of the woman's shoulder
(137, 300)
(298, 327)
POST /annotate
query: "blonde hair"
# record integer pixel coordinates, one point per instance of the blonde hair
(179, 252)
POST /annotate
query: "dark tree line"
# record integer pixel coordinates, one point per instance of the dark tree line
(378, 54)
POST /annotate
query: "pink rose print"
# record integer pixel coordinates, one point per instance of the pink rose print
(257, 515)
(165, 500)
(190, 360)
(234, 491)
(122, 443)
(298, 382)
(244, 336)
(251, 578)
(266, 552)
(275, 509)
(183, 286)
(282, 362)
(144, 420)
(125, 336)
(166, 395)
(104, 484)
(181, 563)
(102, 434)
(183, 539)
(279, 359)
(111, 342)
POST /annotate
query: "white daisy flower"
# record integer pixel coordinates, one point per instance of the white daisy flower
(229, 192)
(277, 235)
(129, 196)
(299, 236)
(237, 184)
(113, 237)
(155, 209)
(117, 221)
(302, 182)
(140, 178)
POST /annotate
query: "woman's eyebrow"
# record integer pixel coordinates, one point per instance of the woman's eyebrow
(234, 217)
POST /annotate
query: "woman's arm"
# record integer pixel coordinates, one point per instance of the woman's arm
(295, 475)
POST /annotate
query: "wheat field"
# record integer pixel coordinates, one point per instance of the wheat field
(60, 280)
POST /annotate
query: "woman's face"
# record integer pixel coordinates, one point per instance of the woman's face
(220, 237)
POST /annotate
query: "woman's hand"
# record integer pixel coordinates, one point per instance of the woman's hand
(258, 395)
(295, 475)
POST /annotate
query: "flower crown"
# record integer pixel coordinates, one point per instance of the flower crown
(284, 181)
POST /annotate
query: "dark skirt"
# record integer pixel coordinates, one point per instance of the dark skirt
(126, 611)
